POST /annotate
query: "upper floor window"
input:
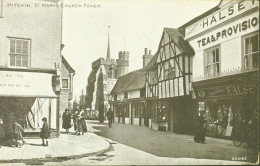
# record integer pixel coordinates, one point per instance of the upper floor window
(212, 61)
(251, 51)
(169, 69)
(65, 83)
(19, 52)
(125, 95)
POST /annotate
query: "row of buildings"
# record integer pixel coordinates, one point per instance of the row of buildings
(35, 79)
(207, 66)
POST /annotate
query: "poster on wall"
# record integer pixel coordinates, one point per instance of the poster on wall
(129, 82)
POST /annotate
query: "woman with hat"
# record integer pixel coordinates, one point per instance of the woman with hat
(45, 133)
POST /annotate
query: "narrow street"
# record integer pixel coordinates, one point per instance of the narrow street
(168, 144)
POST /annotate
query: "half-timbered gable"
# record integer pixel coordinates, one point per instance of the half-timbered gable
(174, 65)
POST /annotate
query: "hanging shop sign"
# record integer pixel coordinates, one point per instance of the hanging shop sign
(228, 32)
(220, 17)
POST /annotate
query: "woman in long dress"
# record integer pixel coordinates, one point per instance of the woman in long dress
(66, 118)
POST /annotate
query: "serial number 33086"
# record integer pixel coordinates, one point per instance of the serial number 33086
(239, 158)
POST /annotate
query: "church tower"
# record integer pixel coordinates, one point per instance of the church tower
(122, 63)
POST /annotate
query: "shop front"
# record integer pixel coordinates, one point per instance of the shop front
(172, 114)
(227, 102)
(27, 97)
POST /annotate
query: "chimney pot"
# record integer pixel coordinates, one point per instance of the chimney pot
(145, 51)
(150, 52)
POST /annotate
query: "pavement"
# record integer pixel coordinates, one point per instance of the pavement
(66, 146)
(120, 154)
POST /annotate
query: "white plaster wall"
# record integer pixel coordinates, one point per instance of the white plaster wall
(136, 121)
(42, 25)
(230, 57)
(127, 121)
(120, 96)
(116, 119)
(134, 94)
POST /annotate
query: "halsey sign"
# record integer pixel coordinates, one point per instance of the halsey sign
(229, 31)
(220, 17)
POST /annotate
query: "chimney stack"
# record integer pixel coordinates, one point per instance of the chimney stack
(145, 51)
(147, 57)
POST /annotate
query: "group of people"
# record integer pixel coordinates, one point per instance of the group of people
(79, 121)
(17, 134)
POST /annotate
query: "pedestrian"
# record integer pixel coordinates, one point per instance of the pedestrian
(75, 120)
(2, 132)
(45, 133)
(18, 136)
(66, 120)
(82, 123)
(109, 117)
(200, 129)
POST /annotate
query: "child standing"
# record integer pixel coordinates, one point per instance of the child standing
(2, 132)
(45, 134)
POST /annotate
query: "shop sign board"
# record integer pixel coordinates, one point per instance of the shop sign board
(228, 90)
(26, 84)
(220, 17)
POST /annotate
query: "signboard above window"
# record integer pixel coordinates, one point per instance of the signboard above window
(220, 17)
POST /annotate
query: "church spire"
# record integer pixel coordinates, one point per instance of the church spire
(108, 46)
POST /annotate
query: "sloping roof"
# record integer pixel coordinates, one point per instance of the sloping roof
(65, 62)
(178, 39)
(131, 81)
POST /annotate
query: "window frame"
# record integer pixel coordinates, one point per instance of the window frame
(205, 56)
(62, 83)
(17, 54)
(243, 54)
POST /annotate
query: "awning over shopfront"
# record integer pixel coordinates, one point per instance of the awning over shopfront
(26, 84)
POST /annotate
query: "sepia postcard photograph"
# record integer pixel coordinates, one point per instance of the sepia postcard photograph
(129, 82)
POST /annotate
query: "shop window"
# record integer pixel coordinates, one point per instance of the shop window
(212, 61)
(65, 83)
(159, 110)
(251, 51)
(19, 53)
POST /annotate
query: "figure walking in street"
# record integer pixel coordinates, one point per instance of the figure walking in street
(2, 132)
(200, 130)
(66, 120)
(45, 133)
(82, 123)
(109, 117)
(76, 120)
(18, 136)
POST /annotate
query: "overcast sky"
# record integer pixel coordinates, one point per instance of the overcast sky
(141, 22)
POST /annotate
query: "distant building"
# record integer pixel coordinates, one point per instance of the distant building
(66, 91)
(128, 96)
(111, 70)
